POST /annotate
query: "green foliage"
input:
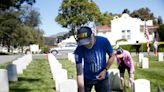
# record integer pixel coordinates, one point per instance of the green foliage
(6, 4)
(44, 49)
(161, 32)
(29, 16)
(144, 14)
(126, 11)
(18, 28)
(74, 13)
(104, 19)
(143, 47)
(9, 27)
(159, 20)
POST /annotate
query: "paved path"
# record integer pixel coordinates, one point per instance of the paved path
(8, 58)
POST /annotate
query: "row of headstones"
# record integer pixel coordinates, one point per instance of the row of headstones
(62, 83)
(144, 61)
(12, 70)
(138, 85)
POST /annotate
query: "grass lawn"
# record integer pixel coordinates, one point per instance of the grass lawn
(155, 73)
(36, 78)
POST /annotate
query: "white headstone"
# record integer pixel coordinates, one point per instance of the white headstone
(68, 86)
(71, 57)
(4, 84)
(141, 55)
(114, 78)
(145, 62)
(34, 48)
(12, 72)
(19, 67)
(160, 57)
(60, 77)
(141, 85)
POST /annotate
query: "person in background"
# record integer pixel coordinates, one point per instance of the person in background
(137, 46)
(155, 45)
(91, 51)
(148, 47)
(125, 61)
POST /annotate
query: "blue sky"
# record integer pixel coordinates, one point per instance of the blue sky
(49, 10)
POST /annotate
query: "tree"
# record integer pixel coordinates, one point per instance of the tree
(159, 20)
(126, 11)
(38, 37)
(104, 19)
(161, 32)
(75, 13)
(6, 4)
(144, 14)
(18, 33)
(9, 25)
(30, 16)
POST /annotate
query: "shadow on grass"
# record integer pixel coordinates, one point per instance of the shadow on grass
(17, 86)
(28, 79)
(19, 90)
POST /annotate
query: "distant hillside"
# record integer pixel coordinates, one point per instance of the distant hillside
(54, 39)
(58, 34)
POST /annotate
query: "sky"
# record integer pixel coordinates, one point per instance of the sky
(49, 10)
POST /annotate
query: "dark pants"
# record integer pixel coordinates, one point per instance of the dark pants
(100, 85)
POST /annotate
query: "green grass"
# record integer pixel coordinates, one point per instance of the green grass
(155, 73)
(36, 78)
(3, 66)
(70, 67)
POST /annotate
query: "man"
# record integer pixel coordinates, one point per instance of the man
(125, 61)
(92, 51)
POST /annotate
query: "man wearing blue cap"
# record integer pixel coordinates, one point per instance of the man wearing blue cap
(92, 51)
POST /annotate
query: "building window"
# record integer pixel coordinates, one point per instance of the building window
(128, 31)
(123, 37)
(123, 31)
(128, 37)
(141, 29)
(126, 34)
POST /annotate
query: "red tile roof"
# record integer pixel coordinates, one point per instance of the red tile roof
(103, 28)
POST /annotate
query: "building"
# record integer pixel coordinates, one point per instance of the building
(126, 27)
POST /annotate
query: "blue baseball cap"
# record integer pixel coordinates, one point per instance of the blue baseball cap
(84, 35)
(119, 51)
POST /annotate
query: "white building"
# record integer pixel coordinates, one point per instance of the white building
(126, 27)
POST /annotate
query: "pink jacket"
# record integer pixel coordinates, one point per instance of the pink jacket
(127, 60)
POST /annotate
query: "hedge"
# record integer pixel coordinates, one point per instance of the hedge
(143, 47)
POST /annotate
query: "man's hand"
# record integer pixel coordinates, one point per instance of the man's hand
(102, 74)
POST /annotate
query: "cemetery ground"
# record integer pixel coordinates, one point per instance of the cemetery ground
(38, 78)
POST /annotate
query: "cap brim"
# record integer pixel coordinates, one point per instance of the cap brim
(119, 55)
(84, 41)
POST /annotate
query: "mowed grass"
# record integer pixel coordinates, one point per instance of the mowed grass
(36, 78)
(70, 67)
(155, 73)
